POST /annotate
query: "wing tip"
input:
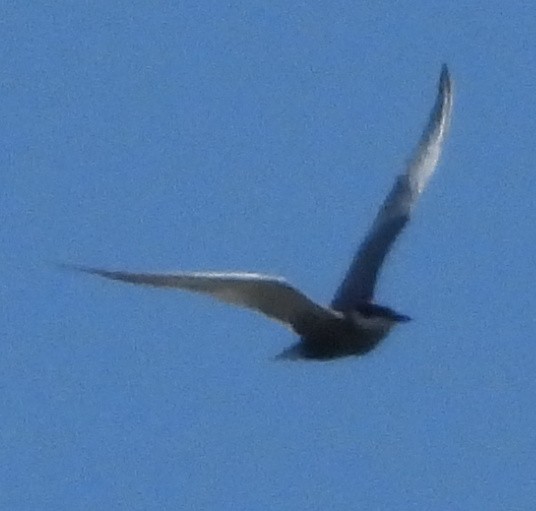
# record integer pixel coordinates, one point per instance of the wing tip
(70, 267)
(79, 268)
(445, 80)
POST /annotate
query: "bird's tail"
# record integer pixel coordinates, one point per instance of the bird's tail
(292, 353)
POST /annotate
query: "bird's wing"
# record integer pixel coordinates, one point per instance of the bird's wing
(272, 296)
(359, 282)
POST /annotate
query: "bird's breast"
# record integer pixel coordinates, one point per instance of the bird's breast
(339, 338)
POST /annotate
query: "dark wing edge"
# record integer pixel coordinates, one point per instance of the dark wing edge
(271, 296)
(360, 280)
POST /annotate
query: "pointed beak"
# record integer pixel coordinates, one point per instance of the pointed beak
(402, 318)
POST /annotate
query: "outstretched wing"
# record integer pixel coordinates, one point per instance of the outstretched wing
(358, 284)
(271, 296)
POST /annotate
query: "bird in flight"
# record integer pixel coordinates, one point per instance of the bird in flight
(353, 324)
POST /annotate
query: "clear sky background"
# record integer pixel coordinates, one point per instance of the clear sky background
(202, 135)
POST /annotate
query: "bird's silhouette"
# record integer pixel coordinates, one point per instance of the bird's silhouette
(353, 324)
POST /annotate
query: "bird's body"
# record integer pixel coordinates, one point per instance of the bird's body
(340, 337)
(353, 332)
(353, 324)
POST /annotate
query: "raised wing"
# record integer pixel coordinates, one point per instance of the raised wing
(271, 296)
(358, 284)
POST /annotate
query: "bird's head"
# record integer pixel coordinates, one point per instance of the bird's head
(399, 318)
(373, 314)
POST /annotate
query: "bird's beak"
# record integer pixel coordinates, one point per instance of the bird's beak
(402, 318)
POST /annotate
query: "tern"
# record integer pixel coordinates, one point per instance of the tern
(353, 324)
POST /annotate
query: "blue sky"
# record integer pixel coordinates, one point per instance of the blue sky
(263, 136)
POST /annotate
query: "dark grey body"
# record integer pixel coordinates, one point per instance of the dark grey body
(336, 339)
(351, 333)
